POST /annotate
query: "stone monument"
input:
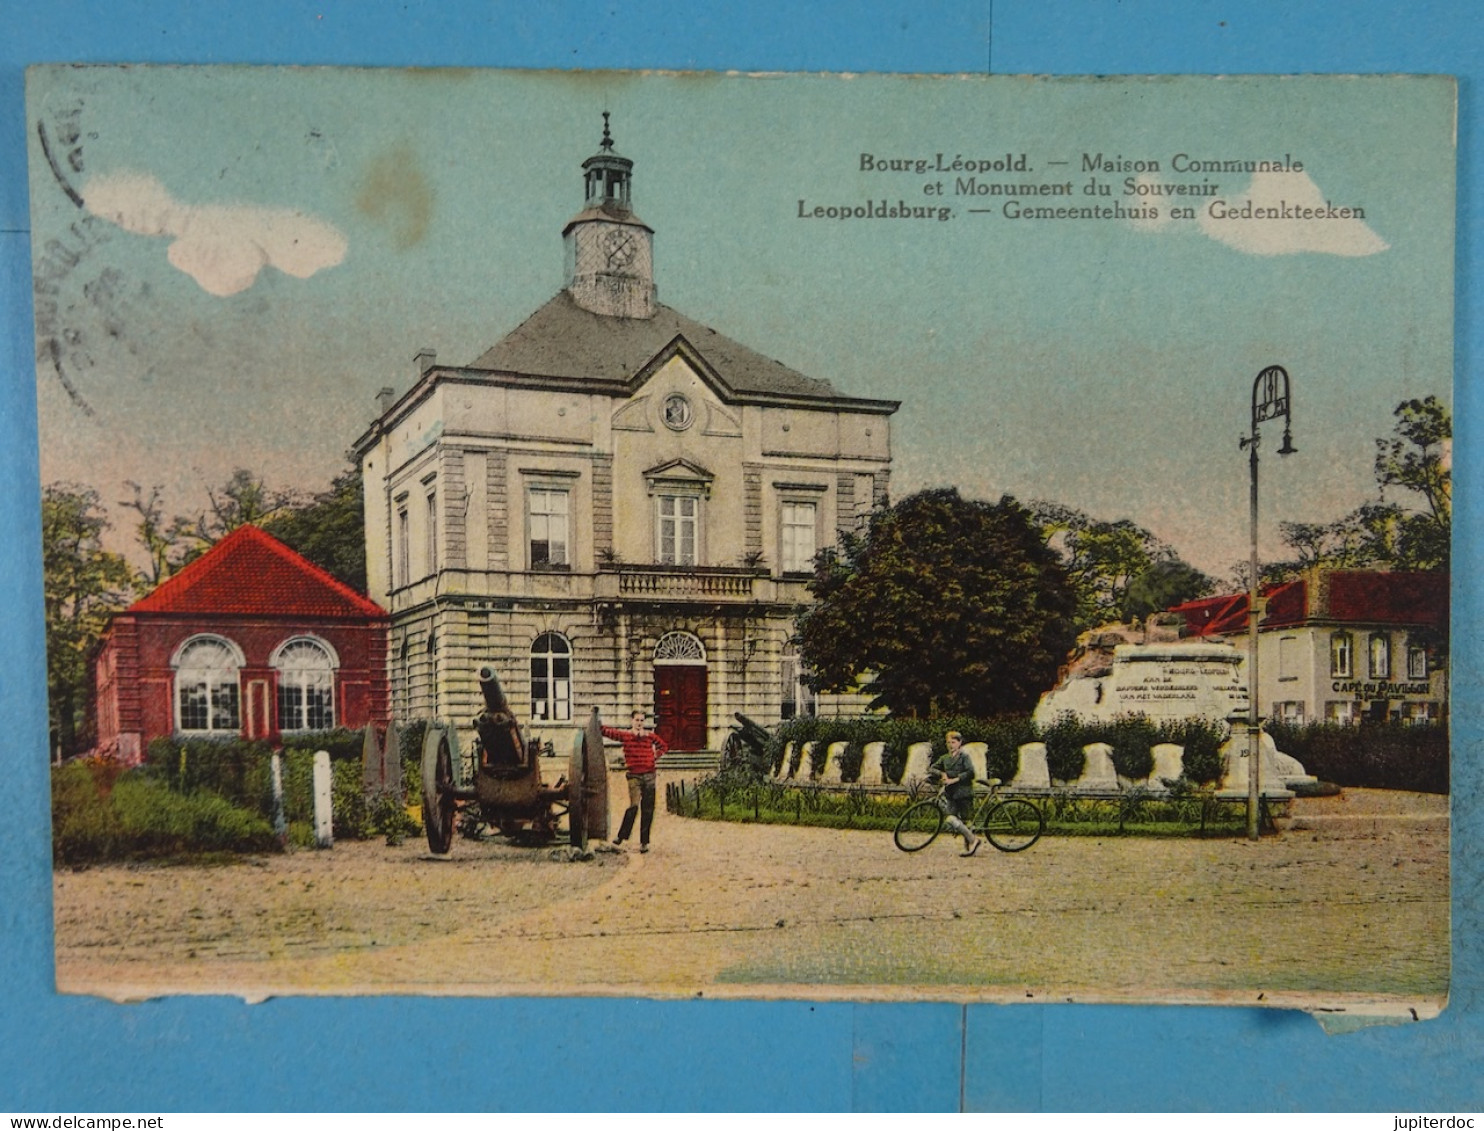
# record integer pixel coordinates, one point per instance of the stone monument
(1167, 682)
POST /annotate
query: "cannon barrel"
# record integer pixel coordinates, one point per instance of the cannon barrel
(499, 732)
(755, 733)
(489, 687)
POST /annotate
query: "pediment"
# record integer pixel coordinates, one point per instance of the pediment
(679, 469)
(680, 347)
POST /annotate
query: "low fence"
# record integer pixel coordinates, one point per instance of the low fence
(845, 806)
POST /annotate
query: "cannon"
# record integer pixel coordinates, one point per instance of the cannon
(747, 744)
(508, 792)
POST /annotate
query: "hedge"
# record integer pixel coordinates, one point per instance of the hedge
(99, 813)
(1379, 756)
(1132, 738)
(1390, 755)
(203, 794)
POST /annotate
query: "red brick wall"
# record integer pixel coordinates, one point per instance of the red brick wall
(134, 671)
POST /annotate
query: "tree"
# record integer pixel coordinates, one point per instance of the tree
(1385, 534)
(165, 545)
(330, 530)
(82, 585)
(1418, 460)
(244, 499)
(953, 605)
(1163, 585)
(1117, 568)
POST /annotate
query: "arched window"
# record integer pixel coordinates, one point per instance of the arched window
(306, 685)
(551, 678)
(206, 696)
(679, 648)
(1380, 665)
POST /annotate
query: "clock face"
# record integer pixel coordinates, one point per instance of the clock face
(620, 247)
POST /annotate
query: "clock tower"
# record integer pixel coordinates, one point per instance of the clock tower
(610, 251)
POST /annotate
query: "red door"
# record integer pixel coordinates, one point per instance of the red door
(680, 705)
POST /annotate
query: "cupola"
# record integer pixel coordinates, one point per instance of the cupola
(609, 250)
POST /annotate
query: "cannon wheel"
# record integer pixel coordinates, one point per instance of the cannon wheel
(439, 802)
(576, 812)
(596, 815)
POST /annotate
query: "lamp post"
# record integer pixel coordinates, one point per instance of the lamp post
(1270, 400)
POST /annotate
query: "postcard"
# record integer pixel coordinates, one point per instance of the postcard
(815, 536)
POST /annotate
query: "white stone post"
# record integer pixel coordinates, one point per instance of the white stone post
(919, 757)
(871, 764)
(280, 815)
(324, 836)
(1033, 771)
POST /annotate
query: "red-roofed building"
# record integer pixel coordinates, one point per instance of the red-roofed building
(1342, 645)
(249, 639)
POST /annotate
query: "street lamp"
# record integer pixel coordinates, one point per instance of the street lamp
(1270, 400)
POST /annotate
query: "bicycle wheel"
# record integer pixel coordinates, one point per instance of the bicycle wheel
(919, 826)
(1014, 824)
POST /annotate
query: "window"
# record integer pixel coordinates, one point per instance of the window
(1289, 712)
(206, 694)
(1416, 662)
(1420, 714)
(1341, 655)
(404, 564)
(797, 698)
(1380, 656)
(404, 675)
(551, 678)
(548, 520)
(797, 540)
(1288, 652)
(432, 533)
(306, 686)
(679, 529)
(1343, 711)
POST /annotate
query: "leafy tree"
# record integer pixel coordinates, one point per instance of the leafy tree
(165, 544)
(1386, 534)
(1117, 568)
(1164, 584)
(330, 530)
(1102, 558)
(244, 499)
(953, 605)
(82, 584)
(1418, 460)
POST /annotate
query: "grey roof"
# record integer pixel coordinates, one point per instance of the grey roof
(561, 339)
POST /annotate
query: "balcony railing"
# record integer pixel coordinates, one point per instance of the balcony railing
(619, 581)
(688, 583)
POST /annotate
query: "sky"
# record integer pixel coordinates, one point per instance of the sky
(231, 262)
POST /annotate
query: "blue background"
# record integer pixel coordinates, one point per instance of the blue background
(75, 1054)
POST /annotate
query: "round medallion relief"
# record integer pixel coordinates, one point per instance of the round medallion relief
(677, 412)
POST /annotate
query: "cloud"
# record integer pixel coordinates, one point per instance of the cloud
(1285, 213)
(221, 246)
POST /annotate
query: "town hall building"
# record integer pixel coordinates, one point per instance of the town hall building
(614, 505)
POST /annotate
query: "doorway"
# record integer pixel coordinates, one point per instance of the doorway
(680, 685)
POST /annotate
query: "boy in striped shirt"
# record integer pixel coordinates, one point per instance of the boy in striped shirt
(641, 749)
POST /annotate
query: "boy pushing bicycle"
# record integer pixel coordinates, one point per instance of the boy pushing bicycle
(957, 799)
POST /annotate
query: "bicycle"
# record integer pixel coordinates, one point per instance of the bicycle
(1011, 824)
